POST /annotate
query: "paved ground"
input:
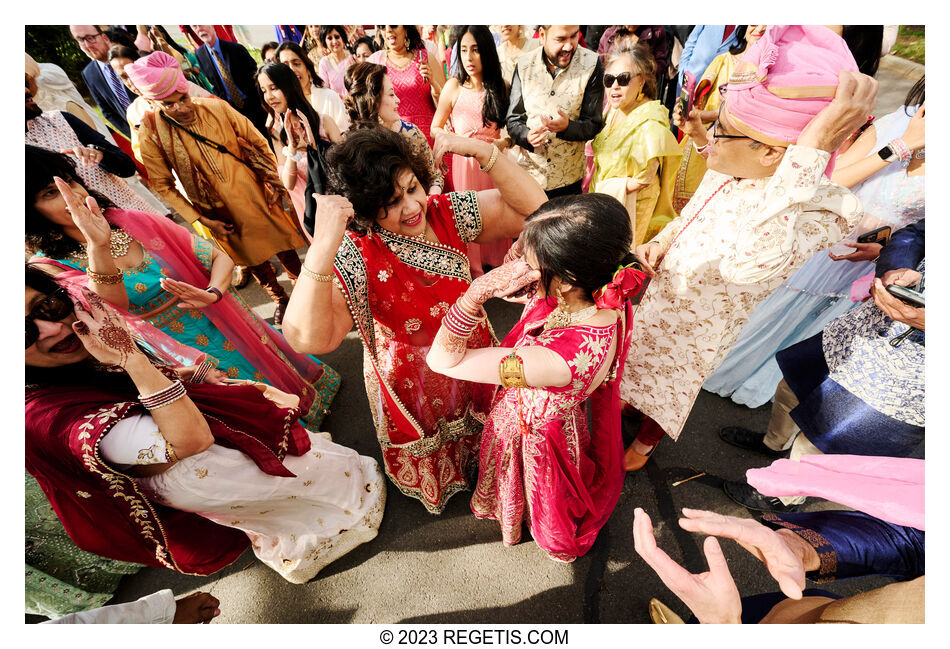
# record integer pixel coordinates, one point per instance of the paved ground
(454, 568)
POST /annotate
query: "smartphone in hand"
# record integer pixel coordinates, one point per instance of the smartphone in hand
(906, 295)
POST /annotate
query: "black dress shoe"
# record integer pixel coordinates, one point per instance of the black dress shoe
(749, 440)
(750, 498)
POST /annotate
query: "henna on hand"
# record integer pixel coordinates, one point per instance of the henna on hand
(449, 342)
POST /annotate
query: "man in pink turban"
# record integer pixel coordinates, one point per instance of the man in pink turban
(762, 209)
(226, 168)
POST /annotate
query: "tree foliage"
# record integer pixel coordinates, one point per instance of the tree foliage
(54, 44)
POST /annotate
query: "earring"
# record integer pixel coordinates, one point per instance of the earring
(560, 316)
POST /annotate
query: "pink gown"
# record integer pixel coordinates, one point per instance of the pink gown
(300, 187)
(541, 462)
(467, 122)
(333, 73)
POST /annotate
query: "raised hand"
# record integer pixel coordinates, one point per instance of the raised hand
(854, 100)
(503, 281)
(914, 135)
(191, 296)
(692, 125)
(450, 143)
(712, 596)
(768, 546)
(197, 608)
(305, 130)
(424, 70)
(103, 332)
(332, 215)
(86, 215)
(87, 156)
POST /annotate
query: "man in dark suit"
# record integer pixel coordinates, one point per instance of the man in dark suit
(231, 71)
(108, 91)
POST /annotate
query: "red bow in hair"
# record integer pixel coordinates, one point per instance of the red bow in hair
(628, 281)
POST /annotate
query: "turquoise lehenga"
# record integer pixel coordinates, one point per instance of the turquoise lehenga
(191, 327)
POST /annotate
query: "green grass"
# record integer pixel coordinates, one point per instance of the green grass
(910, 43)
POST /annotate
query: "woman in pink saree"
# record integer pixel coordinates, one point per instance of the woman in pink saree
(541, 461)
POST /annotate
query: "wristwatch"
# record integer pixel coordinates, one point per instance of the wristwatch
(887, 154)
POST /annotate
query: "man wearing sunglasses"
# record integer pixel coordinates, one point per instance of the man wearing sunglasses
(555, 107)
(763, 208)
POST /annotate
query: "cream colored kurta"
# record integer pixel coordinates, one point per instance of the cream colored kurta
(750, 237)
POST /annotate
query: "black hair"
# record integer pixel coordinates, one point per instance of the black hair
(124, 52)
(364, 87)
(296, 49)
(325, 31)
(495, 106)
(41, 233)
(579, 239)
(864, 41)
(915, 97)
(267, 47)
(368, 41)
(364, 168)
(413, 38)
(741, 42)
(287, 82)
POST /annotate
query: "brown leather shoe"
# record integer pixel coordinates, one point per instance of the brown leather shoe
(241, 277)
(633, 461)
(279, 313)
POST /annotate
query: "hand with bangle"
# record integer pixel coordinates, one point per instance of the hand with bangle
(191, 297)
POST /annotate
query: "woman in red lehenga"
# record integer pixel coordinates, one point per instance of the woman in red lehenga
(541, 462)
(396, 258)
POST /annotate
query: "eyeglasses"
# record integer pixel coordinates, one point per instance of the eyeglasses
(52, 308)
(85, 40)
(723, 136)
(624, 79)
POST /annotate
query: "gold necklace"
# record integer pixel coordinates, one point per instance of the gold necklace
(119, 241)
(561, 317)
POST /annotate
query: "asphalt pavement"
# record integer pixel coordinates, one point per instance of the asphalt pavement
(454, 568)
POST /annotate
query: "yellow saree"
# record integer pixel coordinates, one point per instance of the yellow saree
(624, 149)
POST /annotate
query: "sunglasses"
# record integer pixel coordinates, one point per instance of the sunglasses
(624, 79)
(52, 308)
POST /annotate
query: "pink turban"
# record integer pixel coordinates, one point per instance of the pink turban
(157, 75)
(784, 80)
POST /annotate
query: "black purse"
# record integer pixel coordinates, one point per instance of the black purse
(316, 180)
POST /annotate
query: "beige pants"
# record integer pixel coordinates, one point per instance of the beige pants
(784, 432)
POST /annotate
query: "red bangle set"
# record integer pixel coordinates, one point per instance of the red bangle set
(202, 372)
(162, 398)
(459, 322)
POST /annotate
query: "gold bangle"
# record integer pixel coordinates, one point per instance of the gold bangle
(511, 371)
(320, 277)
(491, 160)
(105, 278)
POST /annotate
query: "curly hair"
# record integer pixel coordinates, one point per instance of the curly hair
(643, 61)
(580, 239)
(41, 233)
(296, 49)
(364, 83)
(364, 168)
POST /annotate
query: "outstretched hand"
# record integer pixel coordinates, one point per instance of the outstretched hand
(767, 545)
(712, 596)
(502, 282)
(191, 296)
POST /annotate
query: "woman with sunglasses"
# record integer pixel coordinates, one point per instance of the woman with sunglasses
(635, 154)
(158, 271)
(143, 467)
(706, 107)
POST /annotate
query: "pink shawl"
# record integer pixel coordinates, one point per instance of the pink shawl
(889, 488)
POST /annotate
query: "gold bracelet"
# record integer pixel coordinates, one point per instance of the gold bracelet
(320, 277)
(105, 278)
(511, 371)
(491, 160)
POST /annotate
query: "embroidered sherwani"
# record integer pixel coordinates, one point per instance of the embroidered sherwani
(747, 237)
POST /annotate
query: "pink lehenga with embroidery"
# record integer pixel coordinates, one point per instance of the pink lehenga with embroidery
(541, 461)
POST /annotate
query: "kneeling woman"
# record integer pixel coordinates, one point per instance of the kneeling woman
(127, 454)
(541, 461)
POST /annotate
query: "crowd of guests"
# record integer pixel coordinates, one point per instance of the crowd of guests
(749, 228)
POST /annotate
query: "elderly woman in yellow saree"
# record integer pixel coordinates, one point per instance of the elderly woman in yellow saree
(636, 155)
(693, 166)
